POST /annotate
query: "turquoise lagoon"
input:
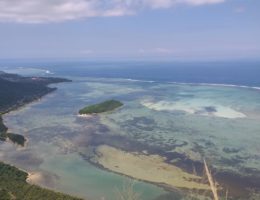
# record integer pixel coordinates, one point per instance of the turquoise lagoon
(218, 123)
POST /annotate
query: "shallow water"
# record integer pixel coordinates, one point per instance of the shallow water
(218, 123)
(56, 135)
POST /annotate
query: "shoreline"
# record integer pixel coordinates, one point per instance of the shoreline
(17, 107)
(20, 102)
(21, 105)
(30, 177)
(15, 181)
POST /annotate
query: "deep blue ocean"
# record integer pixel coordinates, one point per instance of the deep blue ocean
(233, 72)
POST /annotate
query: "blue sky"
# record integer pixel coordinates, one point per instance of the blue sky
(130, 29)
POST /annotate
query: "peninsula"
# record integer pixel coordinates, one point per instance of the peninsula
(16, 91)
(101, 107)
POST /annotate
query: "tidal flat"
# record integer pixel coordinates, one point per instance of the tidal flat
(151, 168)
(181, 123)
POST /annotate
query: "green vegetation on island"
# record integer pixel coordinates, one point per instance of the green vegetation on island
(101, 107)
(13, 185)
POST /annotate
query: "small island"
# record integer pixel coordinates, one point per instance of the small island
(101, 107)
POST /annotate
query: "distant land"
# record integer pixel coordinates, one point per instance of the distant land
(105, 106)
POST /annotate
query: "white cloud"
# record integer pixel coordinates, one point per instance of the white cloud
(86, 52)
(240, 9)
(157, 50)
(200, 2)
(40, 11)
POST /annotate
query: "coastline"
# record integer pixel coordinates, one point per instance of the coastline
(19, 91)
(23, 104)
(17, 107)
(33, 177)
(12, 172)
(14, 184)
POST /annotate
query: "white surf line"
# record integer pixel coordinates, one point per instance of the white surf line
(217, 84)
